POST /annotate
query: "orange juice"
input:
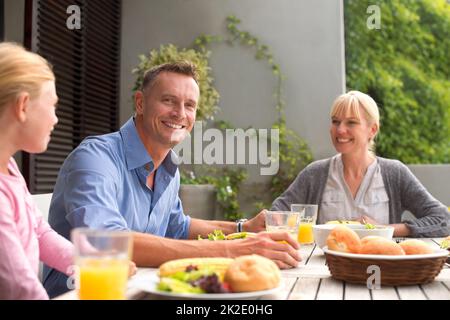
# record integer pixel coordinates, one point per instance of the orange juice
(102, 279)
(305, 233)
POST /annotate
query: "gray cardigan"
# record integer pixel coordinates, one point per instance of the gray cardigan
(404, 190)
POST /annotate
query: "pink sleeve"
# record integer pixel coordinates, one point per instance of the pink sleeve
(55, 250)
(18, 279)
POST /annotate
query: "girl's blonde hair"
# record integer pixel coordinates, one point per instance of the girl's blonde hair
(21, 71)
(353, 102)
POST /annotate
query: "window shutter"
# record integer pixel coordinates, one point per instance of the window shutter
(86, 65)
(2, 20)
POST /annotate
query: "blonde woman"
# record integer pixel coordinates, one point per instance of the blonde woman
(355, 184)
(27, 117)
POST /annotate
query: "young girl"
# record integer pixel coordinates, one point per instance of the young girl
(27, 118)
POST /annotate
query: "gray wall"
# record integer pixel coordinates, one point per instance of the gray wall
(435, 178)
(14, 20)
(306, 38)
(14, 31)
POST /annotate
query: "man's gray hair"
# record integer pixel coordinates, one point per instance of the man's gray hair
(182, 67)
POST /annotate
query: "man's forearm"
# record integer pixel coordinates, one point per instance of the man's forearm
(152, 251)
(203, 227)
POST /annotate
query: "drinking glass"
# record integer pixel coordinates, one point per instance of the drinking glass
(283, 221)
(102, 258)
(308, 218)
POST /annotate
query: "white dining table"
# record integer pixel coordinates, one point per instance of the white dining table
(311, 280)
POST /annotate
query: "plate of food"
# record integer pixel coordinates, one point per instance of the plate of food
(246, 277)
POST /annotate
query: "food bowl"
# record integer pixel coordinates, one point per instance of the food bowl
(321, 232)
(393, 270)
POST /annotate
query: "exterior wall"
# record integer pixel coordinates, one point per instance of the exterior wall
(435, 178)
(14, 31)
(14, 20)
(306, 38)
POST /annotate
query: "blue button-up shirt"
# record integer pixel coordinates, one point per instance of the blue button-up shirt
(102, 185)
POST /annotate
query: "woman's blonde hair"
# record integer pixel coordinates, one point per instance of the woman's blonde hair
(21, 71)
(353, 102)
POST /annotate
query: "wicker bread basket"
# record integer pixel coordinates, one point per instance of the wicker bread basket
(394, 270)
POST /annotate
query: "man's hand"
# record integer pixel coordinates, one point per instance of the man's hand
(277, 246)
(131, 269)
(257, 223)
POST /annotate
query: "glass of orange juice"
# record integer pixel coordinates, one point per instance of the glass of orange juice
(102, 259)
(308, 217)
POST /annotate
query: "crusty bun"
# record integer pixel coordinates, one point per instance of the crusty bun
(343, 239)
(369, 238)
(252, 273)
(379, 245)
(413, 246)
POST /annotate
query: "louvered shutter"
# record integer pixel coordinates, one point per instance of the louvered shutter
(86, 66)
(2, 20)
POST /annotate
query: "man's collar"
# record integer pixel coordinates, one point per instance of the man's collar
(170, 161)
(136, 154)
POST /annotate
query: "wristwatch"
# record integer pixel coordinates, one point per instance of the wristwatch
(239, 224)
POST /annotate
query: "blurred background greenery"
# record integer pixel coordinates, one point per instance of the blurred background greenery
(404, 66)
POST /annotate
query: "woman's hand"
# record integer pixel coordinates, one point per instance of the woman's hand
(257, 223)
(400, 229)
(367, 219)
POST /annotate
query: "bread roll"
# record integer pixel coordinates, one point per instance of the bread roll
(252, 273)
(413, 246)
(369, 238)
(379, 245)
(343, 239)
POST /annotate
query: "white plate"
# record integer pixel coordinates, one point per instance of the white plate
(436, 254)
(150, 282)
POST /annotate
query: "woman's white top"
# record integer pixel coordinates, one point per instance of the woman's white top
(371, 199)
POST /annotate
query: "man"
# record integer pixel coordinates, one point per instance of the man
(126, 180)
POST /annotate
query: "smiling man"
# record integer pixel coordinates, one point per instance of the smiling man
(126, 180)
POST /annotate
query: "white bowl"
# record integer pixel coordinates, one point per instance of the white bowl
(321, 232)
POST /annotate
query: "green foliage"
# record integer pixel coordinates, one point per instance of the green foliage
(404, 66)
(209, 97)
(226, 181)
